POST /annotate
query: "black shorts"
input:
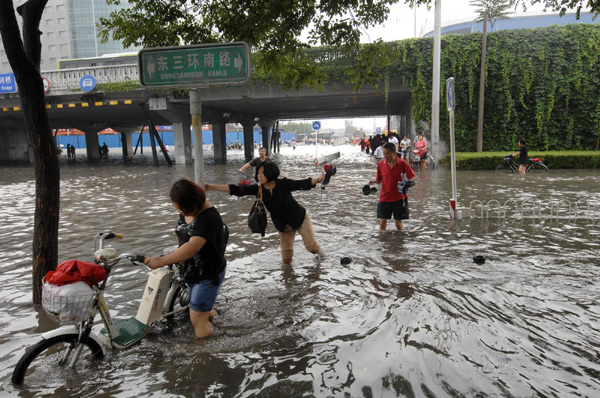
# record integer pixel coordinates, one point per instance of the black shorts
(398, 208)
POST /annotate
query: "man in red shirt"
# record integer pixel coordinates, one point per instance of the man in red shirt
(390, 171)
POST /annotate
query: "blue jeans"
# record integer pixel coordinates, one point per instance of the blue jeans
(204, 294)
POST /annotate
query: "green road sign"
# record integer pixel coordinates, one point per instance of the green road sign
(199, 65)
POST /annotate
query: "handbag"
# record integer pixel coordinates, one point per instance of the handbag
(257, 219)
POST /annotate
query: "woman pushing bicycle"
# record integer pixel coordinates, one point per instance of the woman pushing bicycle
(288, 215)
(523, 157)
(201, 247)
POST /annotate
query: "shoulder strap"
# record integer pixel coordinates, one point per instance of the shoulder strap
(260, 192)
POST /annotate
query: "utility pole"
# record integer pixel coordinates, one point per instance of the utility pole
(435, 90)
(482, 87)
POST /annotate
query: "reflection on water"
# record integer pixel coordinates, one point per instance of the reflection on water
(411, 315)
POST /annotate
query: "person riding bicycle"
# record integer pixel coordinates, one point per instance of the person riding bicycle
(523, 157)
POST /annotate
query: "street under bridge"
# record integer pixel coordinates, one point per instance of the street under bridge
(249, 104)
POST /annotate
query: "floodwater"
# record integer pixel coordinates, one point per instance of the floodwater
(412, 315)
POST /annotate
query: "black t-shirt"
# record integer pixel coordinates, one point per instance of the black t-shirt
(207, 225)
(281, 204)
(256, 161)
(524, 157)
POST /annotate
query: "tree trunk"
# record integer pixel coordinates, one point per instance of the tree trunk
(24, 58)
(482, 88)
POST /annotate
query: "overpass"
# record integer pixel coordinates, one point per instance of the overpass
(250, 104)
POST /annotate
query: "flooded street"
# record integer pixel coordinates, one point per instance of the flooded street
(412, 315)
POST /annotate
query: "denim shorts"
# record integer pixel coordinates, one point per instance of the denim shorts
(399, 208)
(204, 294)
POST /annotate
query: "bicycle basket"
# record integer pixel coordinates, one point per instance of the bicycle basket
(68, 304)
(537, 160)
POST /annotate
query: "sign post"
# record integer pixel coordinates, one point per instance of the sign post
(195, 66)
(316, 126)
(451, 103)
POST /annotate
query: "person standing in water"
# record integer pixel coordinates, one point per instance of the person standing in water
(390, 171)
(288, 215)
(201, 244)
(262, 157)
(523, 157)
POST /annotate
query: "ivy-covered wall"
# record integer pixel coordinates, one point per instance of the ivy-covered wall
(542, 85)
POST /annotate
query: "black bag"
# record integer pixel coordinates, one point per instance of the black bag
(257, 219)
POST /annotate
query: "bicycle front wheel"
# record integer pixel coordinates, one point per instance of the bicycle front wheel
(41, 360)
(537, 168)
(504, 168)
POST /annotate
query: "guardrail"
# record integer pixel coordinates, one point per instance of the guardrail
(534, 208)
(66, 79)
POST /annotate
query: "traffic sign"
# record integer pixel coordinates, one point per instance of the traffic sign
(450, 93)
(87, 83)
(316, 125)
(197, 65)
(46, 85)
(8, 84)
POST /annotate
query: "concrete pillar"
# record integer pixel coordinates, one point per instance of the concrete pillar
(182, 135)
(15, 147)
(219, 141)
(127, 142)
(248, 124)
(266, 134)
(183, 142)
(92, 144)
(410, 123)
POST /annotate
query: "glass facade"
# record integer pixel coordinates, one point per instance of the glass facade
(83, 17)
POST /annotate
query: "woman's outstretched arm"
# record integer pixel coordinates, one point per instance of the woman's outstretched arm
(216, 187)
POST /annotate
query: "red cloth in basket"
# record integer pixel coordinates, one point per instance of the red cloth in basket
(76, 271)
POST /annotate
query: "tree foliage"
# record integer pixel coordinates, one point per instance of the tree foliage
(562, 6)
(540, 86)
(492, 10)
(279, 32)
(301, 128)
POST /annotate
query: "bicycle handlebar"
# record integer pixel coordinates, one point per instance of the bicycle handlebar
(135, 259)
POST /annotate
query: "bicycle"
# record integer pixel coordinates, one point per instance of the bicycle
(165, 295)
(509, 166)
(429, 162)
(536, 166)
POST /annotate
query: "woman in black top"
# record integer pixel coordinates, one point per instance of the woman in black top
(523, 157)
(201, 245)
(288, 215)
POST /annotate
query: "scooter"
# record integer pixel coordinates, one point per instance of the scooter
(165, 294)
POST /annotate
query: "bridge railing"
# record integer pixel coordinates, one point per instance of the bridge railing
(66, 79)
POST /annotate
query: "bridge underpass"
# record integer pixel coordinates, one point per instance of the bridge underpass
(249, 105)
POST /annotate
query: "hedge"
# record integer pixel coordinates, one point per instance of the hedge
(552, 159)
